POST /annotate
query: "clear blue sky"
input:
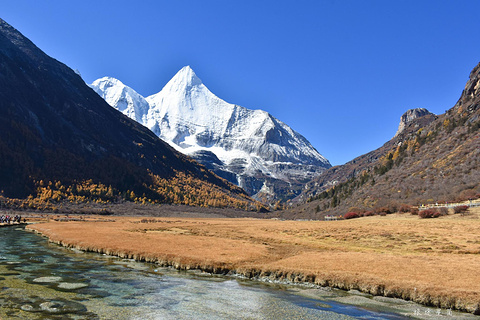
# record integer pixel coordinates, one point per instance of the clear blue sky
(339, 72)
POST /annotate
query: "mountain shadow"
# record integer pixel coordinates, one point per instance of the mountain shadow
(59, 140)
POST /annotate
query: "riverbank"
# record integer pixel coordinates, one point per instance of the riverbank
(429, 261)
(13, 224)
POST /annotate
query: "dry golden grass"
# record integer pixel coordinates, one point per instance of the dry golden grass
(431, 261)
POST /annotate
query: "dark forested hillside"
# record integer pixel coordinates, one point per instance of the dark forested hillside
(60, 140)
(433, 159)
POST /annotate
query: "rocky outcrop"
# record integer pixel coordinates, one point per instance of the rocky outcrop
(410, 116)
(469, 100)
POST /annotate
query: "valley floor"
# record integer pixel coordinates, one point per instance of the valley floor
(430, 261)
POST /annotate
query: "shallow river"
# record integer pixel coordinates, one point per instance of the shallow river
(40, 280)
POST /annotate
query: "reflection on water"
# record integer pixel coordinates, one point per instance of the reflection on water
(44, 281)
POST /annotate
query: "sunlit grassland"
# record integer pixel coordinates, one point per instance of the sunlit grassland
(432, 261)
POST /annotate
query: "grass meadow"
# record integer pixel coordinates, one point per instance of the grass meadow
(431, 261)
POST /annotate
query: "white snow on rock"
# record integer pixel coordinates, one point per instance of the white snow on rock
(122, 98)
(248, 143)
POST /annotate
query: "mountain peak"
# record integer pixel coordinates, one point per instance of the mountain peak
(185, 78)
(127, 100)
(409, 116)
(187, 69)
(108, 81)
(247, 147)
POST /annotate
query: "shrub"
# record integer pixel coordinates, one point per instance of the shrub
(460, 209)
(443, 211)
(385, 210)
(368, 213)
(429, 213)
(392, 207)
(351, 215)
(413, 211)
(404, 208)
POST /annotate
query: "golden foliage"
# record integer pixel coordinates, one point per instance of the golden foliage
(446, 123)
(180, 189)
(184, 189)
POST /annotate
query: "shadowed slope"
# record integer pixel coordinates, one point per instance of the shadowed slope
(53, 127)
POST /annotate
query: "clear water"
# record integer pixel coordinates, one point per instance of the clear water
(39, 280)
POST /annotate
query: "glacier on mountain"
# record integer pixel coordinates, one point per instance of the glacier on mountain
(248, 147)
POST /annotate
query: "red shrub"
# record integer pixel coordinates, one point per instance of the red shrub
(460, 209)
(413, 211)
(368, 214)
(429, 213)
(385, 210)
(404, 208)
(351, 215)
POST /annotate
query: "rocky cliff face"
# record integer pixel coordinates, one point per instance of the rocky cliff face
(409, 116)
(469, 100)
(250, 148)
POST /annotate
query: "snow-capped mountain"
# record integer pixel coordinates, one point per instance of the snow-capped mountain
(248, 147)
(122, 98)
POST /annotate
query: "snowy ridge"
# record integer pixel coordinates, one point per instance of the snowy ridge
(232, 139)
(122, 98)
